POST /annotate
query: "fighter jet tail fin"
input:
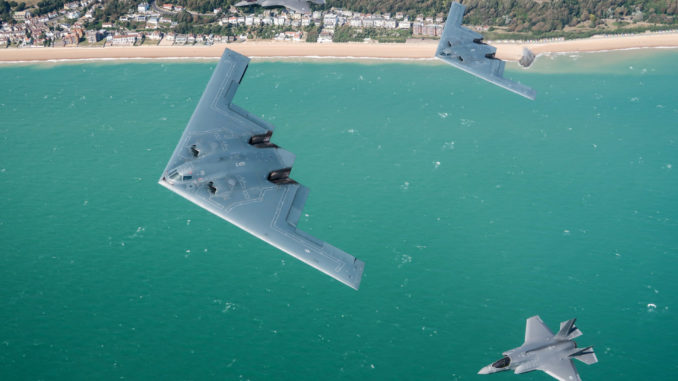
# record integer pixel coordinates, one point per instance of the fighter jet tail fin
(568, 330)
(585, 355)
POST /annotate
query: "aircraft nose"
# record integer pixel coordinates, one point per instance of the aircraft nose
(485, 370)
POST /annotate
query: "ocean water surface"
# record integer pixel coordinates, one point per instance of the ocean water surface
(472, 207)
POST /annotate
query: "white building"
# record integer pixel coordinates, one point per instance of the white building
(404, 25)
(124, 39)
(330, 20)
(325, 36)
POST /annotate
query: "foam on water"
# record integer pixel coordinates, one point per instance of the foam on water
(468, 223)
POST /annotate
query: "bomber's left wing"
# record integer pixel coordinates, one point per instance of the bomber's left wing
(226, 163)
(561, 369)
(465, 50)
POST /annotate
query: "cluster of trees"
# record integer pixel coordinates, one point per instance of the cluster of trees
(312, 33)
(5, 11)
(347, 34)
(7, 7)
(202, 6)
(526, 15)
(113, 9)
(531, 16)
(46, 6)
(410, 7)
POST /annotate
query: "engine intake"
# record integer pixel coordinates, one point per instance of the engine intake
(263, 140)
(211, 187)
(281, 176)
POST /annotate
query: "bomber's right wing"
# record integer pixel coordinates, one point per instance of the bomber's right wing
(536, 330)
(465, 50)
(300, 6)
(561, 369)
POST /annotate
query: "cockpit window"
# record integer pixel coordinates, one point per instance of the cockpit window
(503, 363)
(187, 178)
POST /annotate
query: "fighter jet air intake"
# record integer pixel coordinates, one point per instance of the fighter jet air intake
(465, 50)
(542, 350)
(226, 163)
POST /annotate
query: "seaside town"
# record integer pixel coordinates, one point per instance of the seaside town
(102, 23)
(79, 23)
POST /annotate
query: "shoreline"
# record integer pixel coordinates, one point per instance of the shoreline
(355, 51)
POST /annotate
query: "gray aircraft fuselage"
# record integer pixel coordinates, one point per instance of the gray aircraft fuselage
(527, 358)
(542, 350)
(216, 166)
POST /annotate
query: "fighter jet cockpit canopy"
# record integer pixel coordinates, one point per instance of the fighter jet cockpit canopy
(502, 363)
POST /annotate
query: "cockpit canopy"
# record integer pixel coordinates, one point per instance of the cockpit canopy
(175, 176)
(503, 363)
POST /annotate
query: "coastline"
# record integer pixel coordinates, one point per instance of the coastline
(273, 50)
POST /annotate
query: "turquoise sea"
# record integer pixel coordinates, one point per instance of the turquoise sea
(472, 207)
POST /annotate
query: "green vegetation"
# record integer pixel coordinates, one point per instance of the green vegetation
(348, 34)
(201, 6)
(46, 6)
(410, 7)
(509, 18)
(312, 33)
(529, 16)
(574, 34)
(7, 8)
(5, 11)
(114, 9)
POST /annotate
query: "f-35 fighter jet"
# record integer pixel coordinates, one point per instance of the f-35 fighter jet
(226, 163)
(545, 351)
(464, 49)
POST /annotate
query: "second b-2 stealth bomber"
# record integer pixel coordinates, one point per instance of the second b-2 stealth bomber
(545, 351)
(465, 50)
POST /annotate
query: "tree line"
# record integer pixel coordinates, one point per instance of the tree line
(526, 15)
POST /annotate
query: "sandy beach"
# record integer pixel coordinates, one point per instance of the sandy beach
(275, 50)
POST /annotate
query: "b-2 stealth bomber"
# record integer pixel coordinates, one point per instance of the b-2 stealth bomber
(301, 6)
(465, 50)
(226, 163)
(545, 351)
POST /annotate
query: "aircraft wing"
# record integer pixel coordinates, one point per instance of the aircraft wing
(300, 6)
(225, 163)
(561, 369)
(464, 49)
(536, 330)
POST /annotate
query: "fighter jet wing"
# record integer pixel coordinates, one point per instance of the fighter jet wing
(225, 163)
(536, 330)
(561, 369)
(464, 49)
